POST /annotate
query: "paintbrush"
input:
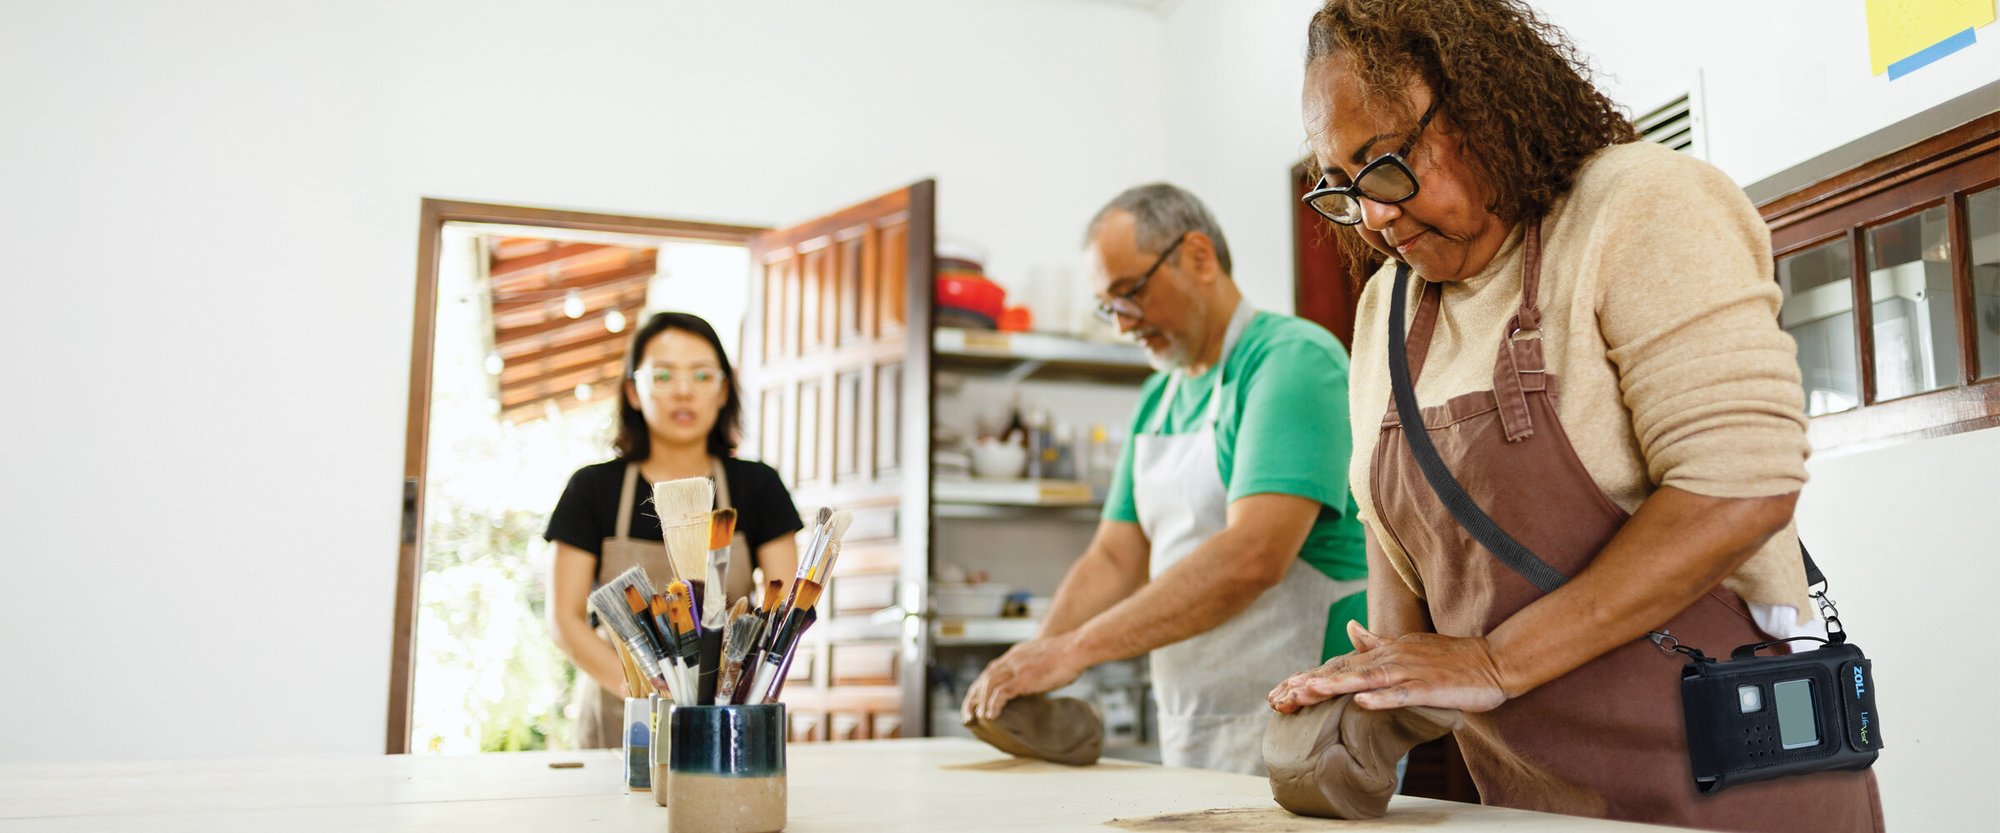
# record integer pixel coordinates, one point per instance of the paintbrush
(783, 668)
(715, 604)
(737, 640)
(809, 562)
(768, 610)
(827, 559)
(641, 607)
(782, 643)
(683, 506)
(657, 609)
(681, 614)
(635, 685)
(714, 608)
(671, 660)
(612, 609)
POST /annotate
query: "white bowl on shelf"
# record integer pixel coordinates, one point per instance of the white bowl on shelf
(994, 460)
(970, 601)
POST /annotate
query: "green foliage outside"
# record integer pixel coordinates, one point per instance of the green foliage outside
(489, 677)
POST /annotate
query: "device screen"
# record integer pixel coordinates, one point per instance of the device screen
(1796, 727)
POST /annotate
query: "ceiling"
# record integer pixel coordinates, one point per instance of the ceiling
(546, 352)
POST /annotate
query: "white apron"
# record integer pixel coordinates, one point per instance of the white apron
(1210, 688)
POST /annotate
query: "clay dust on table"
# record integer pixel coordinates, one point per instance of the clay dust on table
(1032, 765)
(1269, 820)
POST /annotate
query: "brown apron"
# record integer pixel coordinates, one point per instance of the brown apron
(1607, 739)
(601, 713)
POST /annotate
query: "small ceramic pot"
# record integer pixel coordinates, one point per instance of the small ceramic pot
(726, 768)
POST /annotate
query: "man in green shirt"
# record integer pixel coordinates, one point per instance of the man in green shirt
(1228, 550)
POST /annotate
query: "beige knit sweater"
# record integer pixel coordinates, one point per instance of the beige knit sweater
(1659, 318)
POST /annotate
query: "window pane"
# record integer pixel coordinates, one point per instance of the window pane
(1982, 218)
(1909, 287)
(1819, 313)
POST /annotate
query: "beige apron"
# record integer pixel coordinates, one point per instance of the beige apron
(1606, 739)
(601, 713)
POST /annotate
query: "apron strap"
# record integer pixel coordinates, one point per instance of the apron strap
(624, 525)
(721, 480)
(1239, 320)
(1519, 366)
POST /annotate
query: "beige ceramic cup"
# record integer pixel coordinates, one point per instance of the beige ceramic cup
(726, 768)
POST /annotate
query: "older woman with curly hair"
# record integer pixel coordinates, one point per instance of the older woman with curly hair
(1597, 361)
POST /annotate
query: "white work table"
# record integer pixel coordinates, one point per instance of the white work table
(864, 787)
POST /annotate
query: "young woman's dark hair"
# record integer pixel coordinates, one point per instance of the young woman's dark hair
(634, 442)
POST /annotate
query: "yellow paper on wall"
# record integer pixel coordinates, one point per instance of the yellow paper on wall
(1898, 29)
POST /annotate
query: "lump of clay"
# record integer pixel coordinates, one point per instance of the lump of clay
(1062, 730)
(1338, 760)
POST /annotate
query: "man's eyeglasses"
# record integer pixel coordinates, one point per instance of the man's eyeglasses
(659, 381)
(1386, 179)
(1125, 304)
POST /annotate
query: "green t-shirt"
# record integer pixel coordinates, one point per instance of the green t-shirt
(1283, 429)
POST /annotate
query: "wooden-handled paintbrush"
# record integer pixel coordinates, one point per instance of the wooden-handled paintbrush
(635, 680)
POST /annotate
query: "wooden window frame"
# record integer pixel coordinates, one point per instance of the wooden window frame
(433, 214)
(1943, 169)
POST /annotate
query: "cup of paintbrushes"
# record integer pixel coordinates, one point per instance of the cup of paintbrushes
(726, 768)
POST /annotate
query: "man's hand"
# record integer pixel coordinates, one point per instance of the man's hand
(1032, 667)
(1418, 669)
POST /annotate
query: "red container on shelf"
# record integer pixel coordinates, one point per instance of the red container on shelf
(971, 292)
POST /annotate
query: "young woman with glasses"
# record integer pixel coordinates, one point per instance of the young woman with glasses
(1591, 327)
(678, 416)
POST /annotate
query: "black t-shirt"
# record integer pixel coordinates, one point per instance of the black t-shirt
(587, 513)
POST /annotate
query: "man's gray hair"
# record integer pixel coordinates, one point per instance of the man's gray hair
(1164, 212)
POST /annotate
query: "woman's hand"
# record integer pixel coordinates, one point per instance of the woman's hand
(1418, 669)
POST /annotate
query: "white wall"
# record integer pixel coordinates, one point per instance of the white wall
(1908, 537)
(211, 215)
(1233, 133)
(1910, 533)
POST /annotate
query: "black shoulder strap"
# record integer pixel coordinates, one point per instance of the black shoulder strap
(1475, 520)
(1469, 515)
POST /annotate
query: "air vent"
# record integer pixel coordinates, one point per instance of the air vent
(1671, 124)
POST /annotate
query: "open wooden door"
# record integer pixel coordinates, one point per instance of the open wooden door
(837, 390)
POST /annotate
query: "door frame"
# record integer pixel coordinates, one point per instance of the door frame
(432, 216)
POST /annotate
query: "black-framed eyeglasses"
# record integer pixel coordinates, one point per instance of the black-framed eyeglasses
(1386, 179)
(1125, 304)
